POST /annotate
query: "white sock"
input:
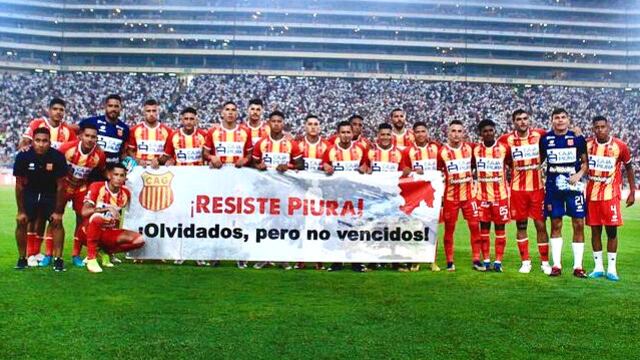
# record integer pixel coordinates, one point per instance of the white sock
(556, 251)
(578, 251)
(597, 258)
(611, 265)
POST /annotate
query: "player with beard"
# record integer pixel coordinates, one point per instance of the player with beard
(357, 123)
(148, 138)
(402, 136)
(113, 133)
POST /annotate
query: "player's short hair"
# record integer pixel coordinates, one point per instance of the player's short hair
(311, 116)
(419, 123)
(394, 110)
(517, 113)
(599, 118)
(353, 117)
(189, 109)
(41, 130)
(384, 126)
(229, 102)
(256, 102)
(111, 167)
(456, 122)
(276, 113)
(114, 97)
(343, 123)
(57, 101)
(150, 102)
(86, 126)
(486, 122)
(558, 111)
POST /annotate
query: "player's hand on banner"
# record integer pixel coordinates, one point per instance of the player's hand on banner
(240, 163)
(631, 199)
(170, 162)
(214, 162)
(282, 168)
(55, 220)
(328, 169)
(115, 214)
(22, 218)
(261, 166)
(364, 170)
(155, 164)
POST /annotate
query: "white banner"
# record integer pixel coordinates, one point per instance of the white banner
(196, 213)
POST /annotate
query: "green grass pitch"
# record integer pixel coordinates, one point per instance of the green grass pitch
(166, 311)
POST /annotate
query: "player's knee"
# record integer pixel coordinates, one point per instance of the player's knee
(612, 232)
(521, 225)
(138, 239)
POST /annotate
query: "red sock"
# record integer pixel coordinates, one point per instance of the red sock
(48, 245)
(38, 245)
(523, 247)
(485, 243)
(544, 251)
(501, 243)
(77, 247)
(449, 229)
(474, 229)
(93, 231)
(32, 239)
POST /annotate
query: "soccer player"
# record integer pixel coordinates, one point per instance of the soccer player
(421, 156)
(607, 155)
(258, 128)
(402, 136)
(83, 156)
(147, 139)
(101, 212)
(184, 146)
(113, 133)
(39, 174)
(60, 131)
(345, 156)
(490, 158)
(356, 122)
(228, 143)
(527, 190)
(566, 156)
(455, 161)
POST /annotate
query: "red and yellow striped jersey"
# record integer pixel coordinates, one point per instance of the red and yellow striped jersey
(276, 152)
(605, 168)
(455, 163)
(404, 139)
(361, 141)
(312, 153)
(381, 160)
(100, 196)
(59, 134)
(349, 159)
(81, 164)
(492, 180)
(259, 132)
(526, 174)
(185, 149)
(229, 145)
(424, 158)
(148, 142)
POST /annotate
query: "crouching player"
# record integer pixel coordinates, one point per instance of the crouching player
(101, 212)
(606, 158)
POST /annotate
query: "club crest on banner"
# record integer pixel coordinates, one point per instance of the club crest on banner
(156, 193)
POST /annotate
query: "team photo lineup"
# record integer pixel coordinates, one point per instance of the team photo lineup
(526, 175)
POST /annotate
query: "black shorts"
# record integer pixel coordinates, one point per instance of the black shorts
(39, 205)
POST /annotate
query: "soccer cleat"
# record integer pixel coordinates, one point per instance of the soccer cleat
(31, 261)
(546, 269)
(115, 260)
(359, 268)
(334, 267)
(40, 257)
(178, 262)
(259, 265)
(21, 264)
(435, 267)
(58, 265)
(106, 260)
(77, 261)
(403, 268)
(451, 267)
(596, 274)
(46, 261)
(579, 273)
(555, 271)
(525, 268)
(613, 277)
(415, 267)
(286, 266)
(479, 266)
(93, 266)
(242, 264)
(319, 266)
(299, 266)
(487, 265)
(201, 263)
(497, 267)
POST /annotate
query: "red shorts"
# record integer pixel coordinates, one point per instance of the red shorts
(604, 212)
(450, 210)
(77, 199)
(494, 212)
(527, 204)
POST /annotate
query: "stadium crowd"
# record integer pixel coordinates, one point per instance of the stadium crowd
(25, 96)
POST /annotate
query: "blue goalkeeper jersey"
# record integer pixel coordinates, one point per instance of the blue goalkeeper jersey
(562, 154)
(112, 137)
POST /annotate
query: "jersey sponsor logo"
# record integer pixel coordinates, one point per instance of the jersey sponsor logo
(109, 144)
(525, 152)
(272, 160)
(489, 164)
(379, 166)
(526, 167)
(562, 169)
(425, 165)
(156, 193)
(152, 147)
(79, 172)
(227, 148)
(490, 179)
(602, 163)
(601, 179)
(189, 155)
(346, 165)
(312, 164)
(458, 166)
(562, 156)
